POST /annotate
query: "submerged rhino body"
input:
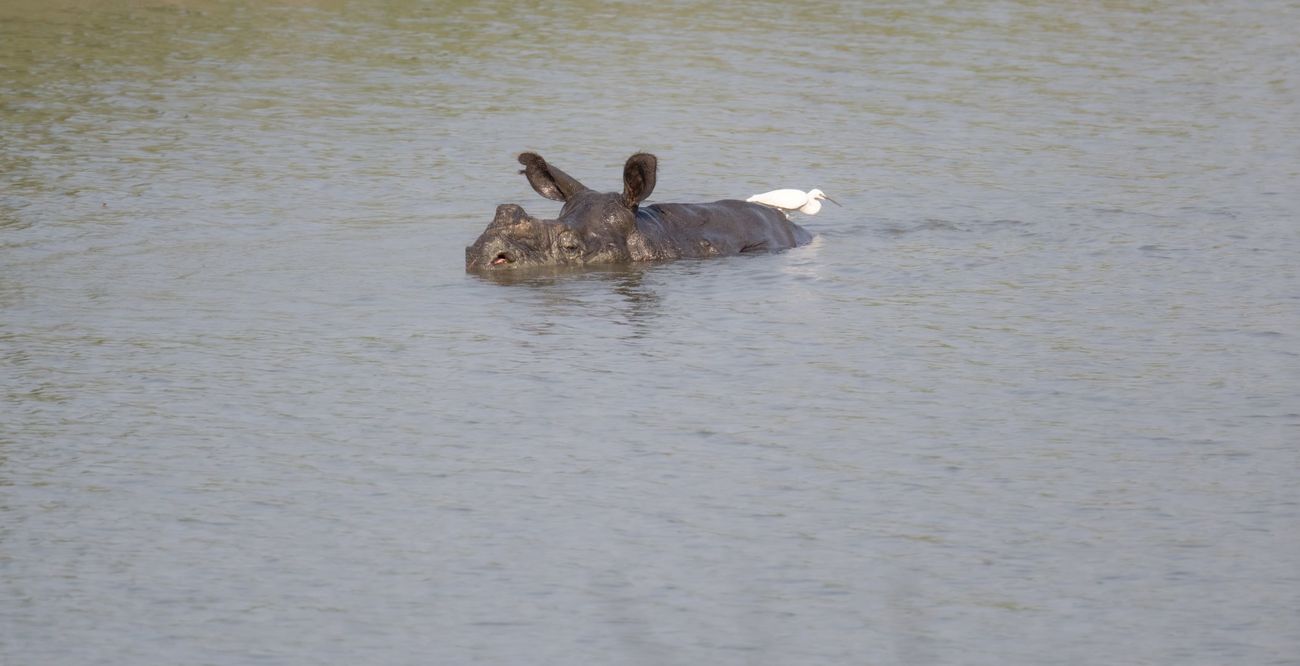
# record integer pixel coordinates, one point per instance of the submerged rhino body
(596, 228)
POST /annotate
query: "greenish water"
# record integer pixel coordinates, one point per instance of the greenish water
(1029, 397)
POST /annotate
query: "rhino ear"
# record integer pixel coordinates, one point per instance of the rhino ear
(547, 180)
(639, 178)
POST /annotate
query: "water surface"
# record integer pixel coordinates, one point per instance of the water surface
(1029, 397)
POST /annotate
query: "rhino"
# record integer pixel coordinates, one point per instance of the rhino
(608, 228)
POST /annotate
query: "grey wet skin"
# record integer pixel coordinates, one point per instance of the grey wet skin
(601, 228)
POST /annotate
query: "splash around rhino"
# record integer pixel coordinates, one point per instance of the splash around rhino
(597, 228)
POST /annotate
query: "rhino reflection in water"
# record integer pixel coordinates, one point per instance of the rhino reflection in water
(597, 228)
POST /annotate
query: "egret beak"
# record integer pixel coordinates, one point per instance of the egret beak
(832, 201)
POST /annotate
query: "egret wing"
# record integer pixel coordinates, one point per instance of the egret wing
(789, 199)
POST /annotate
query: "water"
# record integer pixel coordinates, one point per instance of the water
(1029, 398)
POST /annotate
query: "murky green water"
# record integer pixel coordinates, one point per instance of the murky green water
(1029, 398)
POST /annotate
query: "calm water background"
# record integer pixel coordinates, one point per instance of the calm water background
(1029, 398)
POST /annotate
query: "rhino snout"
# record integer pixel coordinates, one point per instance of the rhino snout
(492, 252)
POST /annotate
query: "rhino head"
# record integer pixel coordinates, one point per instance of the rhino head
(593, 227)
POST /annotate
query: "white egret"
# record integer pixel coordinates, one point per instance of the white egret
(807, 203)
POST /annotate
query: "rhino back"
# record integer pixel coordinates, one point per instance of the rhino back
(672, 231)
